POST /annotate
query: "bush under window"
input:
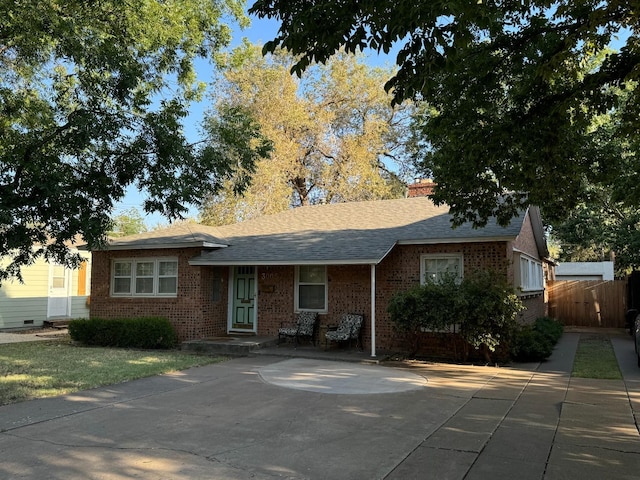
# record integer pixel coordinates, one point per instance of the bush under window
(146, 332)
(482, 309)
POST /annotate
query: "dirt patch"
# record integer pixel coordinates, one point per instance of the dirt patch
(41, 330)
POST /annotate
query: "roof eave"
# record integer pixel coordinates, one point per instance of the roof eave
(169, 245)
(433, 241)
(538, 231)
(222, 263)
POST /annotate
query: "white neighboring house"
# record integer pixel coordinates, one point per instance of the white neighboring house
(49, 292)
(584, 271)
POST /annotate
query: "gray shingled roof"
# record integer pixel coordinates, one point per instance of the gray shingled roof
(181, 234)
(344, 233)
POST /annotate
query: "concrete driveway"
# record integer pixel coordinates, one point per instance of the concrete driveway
(253, 418)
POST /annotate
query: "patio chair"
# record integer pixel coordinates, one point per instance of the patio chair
(347, 331)
(305, 326)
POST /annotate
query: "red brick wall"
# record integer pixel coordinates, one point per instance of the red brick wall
(192, 312)
(535, 308)
(275, 298)
(349, 292)
(400, 270)
(525, 242)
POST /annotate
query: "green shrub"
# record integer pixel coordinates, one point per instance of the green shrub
(491, 312)
(550, 328)
(434, 306)
(534, 343)
(483, 305)
(145, 332)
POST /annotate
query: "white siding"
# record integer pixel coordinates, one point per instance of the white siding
(584, 271)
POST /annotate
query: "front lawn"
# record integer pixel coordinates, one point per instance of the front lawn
(48, 368)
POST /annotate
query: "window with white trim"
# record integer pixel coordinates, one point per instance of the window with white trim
(435, 267)
(311, 288)
(531, 275)
(145, 277)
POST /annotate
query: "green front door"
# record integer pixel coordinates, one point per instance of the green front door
(244, 291)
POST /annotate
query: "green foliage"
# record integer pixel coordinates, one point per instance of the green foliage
(599, 227)
(482, 307)
(512, 91)
(93, 99)
(128, 222)
(334, 134)
(434, 306)
(549, 328)
(534, 343)
(147, 332)
(490, 311)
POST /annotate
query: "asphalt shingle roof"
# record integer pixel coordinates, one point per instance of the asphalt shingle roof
(344, 233)
(182, 234)
(341, 233)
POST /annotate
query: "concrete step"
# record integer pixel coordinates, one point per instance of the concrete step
(232, 345)
(56, 323)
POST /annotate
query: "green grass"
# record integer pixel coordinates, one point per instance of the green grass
(49, 368)
(595, 358)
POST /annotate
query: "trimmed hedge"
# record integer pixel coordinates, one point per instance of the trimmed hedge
(534, 343)
(145, 332)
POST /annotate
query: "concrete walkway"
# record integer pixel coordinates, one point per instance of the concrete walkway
(242, 419)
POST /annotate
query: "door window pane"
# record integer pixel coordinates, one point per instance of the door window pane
(58, 280)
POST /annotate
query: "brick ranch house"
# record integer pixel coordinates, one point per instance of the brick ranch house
(334, 259)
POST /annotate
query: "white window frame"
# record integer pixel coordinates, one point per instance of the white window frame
(438, 256)
(298, 283)
(156, 276)
(530, 274)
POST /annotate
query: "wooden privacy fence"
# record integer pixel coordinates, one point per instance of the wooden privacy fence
(592, 303)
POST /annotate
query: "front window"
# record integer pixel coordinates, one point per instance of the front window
(148, 277)
(311, 288)
(435, 267)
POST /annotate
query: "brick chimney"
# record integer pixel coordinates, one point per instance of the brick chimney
(422, 188)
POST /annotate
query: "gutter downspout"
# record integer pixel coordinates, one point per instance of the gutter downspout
(373, 310)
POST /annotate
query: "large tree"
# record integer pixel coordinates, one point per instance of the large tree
(510, 99)
(92, 100)
(127, 222)
(335, 135)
